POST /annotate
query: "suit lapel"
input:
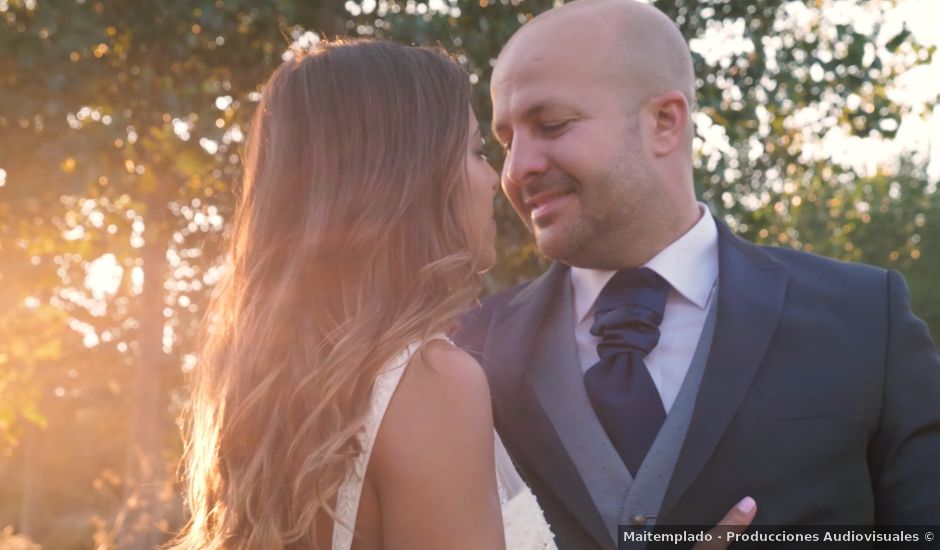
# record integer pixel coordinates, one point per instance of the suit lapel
(526, 428)
(751, 292)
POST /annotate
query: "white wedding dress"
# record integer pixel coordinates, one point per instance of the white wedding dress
(524, 523)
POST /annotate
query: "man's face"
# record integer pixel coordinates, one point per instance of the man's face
(575, 168)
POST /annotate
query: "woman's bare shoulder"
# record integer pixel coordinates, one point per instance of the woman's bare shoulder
(443, 400)
(441, 362)
(433, 459)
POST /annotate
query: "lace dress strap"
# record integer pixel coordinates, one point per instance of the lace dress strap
(350, 492)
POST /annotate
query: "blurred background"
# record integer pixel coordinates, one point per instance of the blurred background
(121, 125)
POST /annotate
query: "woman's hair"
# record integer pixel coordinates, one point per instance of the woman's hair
(345, 248)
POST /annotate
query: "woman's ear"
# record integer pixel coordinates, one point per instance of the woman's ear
(670, 122)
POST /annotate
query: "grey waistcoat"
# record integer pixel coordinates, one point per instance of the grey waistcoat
(558, 382)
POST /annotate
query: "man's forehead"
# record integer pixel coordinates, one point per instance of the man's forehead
(541, 82)
(537, 68)
(544, 44)
(553, 55)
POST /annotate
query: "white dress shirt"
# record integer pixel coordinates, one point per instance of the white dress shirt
(690, 266)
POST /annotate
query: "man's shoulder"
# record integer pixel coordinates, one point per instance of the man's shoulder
(830, 284)
(500, 299)
(483, 313)
(474, 324)
(801, 263)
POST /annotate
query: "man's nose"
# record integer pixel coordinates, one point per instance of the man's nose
(525, 161)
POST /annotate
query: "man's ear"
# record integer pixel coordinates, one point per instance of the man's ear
(670, 122)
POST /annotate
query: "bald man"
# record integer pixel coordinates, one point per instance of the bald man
(662, 369)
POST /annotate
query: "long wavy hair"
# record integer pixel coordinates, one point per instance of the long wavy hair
(345, 248)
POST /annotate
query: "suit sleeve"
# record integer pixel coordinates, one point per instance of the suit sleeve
(473, 326)
(470, 332)
(906, 448)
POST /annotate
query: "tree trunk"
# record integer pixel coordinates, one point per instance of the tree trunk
(28, 487)
(144, 476)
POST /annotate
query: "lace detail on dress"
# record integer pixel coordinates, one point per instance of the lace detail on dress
(524, 524)
(347, 500)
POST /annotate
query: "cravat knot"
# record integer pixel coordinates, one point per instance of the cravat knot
(629, 311)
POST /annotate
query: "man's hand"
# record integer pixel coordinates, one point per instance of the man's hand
(737, 519)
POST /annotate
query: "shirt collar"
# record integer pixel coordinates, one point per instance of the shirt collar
(689, 265)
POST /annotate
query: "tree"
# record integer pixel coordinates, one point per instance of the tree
(126, 139)
(120, 127)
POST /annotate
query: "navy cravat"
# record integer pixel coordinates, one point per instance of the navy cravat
(626, 319)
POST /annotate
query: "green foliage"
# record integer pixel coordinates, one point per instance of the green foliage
(120, 129)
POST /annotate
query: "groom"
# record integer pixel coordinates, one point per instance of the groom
(662, 368)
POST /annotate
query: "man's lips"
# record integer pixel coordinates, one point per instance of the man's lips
(542, 205)
(541, 199)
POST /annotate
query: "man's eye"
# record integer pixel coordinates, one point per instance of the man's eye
(549, 127)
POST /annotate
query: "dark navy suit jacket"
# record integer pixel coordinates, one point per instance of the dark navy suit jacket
(820, 399)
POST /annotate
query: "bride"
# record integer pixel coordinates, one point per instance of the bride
(328, 409)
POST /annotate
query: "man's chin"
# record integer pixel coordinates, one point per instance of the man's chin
(554, 245)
